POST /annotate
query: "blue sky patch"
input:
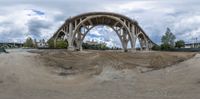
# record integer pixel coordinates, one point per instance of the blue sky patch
(38, 12)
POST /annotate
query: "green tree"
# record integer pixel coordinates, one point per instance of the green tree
(180, 43)
(103, 47)
(168, 40)
(51, 43)
(95, 47)
(61, 44)
(29, 43)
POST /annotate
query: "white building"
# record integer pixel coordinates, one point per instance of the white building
(192, 45)
(42, 44)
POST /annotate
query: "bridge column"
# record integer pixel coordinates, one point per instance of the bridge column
(133, 38)
(79, 45)
(147, 45)
(124, 40)
(70, 39)
(70, 44)
(150, 45)
(141, 43)
(124, 44)
(79, 40)
(144, 45)
(133, 43)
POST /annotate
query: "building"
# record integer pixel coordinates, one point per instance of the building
(41, 44)
(92, 42)
(192, 45)
(95, 43)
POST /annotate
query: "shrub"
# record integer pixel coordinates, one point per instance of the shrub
(166, 47)
(156, 47)
(61, 44)
(51, 43)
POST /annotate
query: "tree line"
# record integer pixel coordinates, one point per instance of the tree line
(63, 44)
(98, 47)
(60, 44)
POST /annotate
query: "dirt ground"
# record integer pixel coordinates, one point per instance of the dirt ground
(57, 74)
(95, 61)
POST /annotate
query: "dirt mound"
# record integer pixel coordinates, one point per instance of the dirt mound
(94, 62)
(166, 59)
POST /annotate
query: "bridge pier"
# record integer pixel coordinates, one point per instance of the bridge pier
(71, 46)
(132, 50)
(79, 46)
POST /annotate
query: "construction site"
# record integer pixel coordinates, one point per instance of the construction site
(53, 74)
(99, 49)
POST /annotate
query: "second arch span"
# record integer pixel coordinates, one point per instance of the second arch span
(75, 29)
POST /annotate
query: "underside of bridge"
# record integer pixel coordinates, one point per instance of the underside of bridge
(76, 28)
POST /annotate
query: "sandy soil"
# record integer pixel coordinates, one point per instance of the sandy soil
(95, 61)
(25, 75)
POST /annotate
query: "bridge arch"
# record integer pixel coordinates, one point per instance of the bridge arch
(78, 35)
(75, 29)
(121, 40)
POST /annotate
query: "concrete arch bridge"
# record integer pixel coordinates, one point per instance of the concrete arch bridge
(76, 28)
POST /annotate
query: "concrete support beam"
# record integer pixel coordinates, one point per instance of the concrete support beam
(79, 40)
(90, 22)
(133, 37)
(141, 44)
(125, 43)
(70, 39)
(79, 45)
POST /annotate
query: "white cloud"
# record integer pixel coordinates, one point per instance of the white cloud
(104, 34)
(15, 24)
(154, 17)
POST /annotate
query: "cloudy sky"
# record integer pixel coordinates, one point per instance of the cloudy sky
(39, 19)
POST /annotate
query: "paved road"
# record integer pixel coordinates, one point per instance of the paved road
(23, 76)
